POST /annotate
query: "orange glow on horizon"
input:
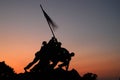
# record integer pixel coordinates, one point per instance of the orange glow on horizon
(18, 54)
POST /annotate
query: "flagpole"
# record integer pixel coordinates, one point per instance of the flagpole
(51, 29)
(48, 22)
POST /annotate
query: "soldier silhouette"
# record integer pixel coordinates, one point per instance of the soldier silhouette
(62, 55)
(65, 58)
(38, 55)
(44, 63)
(53, 41)
(46, 52)
(52, 45)
(50, 52)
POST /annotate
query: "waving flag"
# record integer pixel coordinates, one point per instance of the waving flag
(51, 24)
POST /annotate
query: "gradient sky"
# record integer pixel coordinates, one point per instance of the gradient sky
(90, 28)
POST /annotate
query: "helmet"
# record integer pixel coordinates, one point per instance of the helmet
(72, 54)
(59, 43)
(44, 43)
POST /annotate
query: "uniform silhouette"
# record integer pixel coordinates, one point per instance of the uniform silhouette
(65, 58)
(52, 47)
(43, 65)
(38, 55)
(51, 52)
(62, 55)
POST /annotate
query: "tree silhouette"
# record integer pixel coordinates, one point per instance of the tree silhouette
(6, 72)
(89, 76)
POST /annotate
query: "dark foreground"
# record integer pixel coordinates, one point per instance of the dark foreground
(7, 73)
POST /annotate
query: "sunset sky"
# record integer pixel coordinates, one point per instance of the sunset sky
(90, 28)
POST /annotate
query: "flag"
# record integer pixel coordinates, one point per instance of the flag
(49, 20)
